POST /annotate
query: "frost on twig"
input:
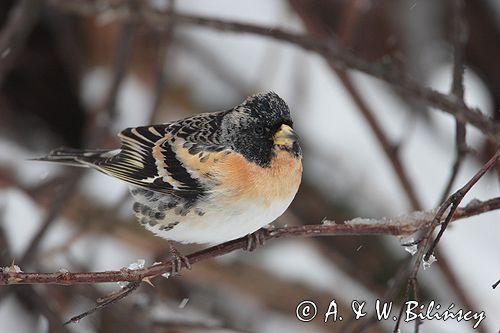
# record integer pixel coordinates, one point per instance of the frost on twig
(11, 273)
(407, 224)
(139, 264)
(427, 263)
(409, 244)
(11, 269)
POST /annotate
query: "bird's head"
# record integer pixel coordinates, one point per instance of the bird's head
(260, 126)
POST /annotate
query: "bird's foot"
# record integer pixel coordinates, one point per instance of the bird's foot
(178, 260)
(256, 239)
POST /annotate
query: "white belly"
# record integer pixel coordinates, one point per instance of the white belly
(223, 224)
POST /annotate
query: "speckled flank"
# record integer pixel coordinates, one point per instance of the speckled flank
(153, 208)
(169, 226)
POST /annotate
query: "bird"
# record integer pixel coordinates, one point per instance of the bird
(209, 178)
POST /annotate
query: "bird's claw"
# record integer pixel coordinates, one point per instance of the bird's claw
(178, 260)
(256, 239)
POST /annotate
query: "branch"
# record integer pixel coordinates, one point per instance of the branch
(453, 201)
(122, 60)
(397, 226)
(165, 43)
(110, 299)
(341, 57)
(459, 37)
(391, 150)
(425, 252)
(59, 203)
(352, 14)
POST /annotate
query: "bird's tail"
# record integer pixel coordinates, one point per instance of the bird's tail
(78, 157)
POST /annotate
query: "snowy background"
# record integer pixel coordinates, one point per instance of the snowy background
(56, 94)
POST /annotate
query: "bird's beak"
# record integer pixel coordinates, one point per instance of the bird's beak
(285, 136)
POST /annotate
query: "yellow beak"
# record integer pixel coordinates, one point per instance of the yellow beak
(285, 136)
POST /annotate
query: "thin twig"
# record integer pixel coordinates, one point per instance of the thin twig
(163, 50)
(34, 298)
(58, 204)
(398, 226)
(392, 290)
(95, 134)
(460, 153)
(453, 282)
(459, 38)
(453, 202)
(5, 255)
(343, 58)
(351, 17)
(211, 61)
(390, 150)
(110, 299)
(410, 288)
(416, 297)
(123, 55)
(27, 294)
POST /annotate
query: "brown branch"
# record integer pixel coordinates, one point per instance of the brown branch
(397, 226)
(391, 150)
(392, 291)
(459, 38)
(425, 251)
(28, 295)
(210, 60)
(410, 288)
(461, 151)
(123, 55)
(34, 298)
(351, 17)
(453, 202)
(454, 282)
(94, 134)
(342, 57)
(165, 43)
(57, 206)
(105, 301)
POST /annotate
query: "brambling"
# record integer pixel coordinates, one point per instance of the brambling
(209, 178)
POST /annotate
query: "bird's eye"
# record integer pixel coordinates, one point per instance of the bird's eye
(259, 130)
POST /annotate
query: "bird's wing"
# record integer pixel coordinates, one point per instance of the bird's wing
(165, 158)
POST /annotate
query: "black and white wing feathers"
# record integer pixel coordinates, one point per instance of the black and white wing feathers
(148, 157)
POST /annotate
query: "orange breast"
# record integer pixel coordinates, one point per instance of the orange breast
(279, 181)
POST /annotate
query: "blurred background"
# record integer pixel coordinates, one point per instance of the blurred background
(74, 73)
